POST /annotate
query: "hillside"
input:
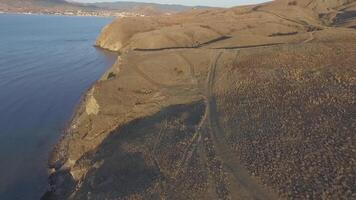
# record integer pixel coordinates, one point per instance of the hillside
(251, 102)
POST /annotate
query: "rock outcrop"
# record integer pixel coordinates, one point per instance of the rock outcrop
(253, 102)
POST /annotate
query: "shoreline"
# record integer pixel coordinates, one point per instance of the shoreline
(55, 169)
(53, 104)
(78, 109)
(49, 14)
(118, 14)
(82, 100)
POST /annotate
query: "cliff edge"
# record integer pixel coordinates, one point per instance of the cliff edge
(252, 102)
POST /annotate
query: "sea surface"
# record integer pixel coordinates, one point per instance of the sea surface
(46, 64)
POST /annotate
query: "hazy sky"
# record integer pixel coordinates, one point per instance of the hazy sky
(219, 3)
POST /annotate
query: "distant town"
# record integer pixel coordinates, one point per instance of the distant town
(114, 9)
(101, 13)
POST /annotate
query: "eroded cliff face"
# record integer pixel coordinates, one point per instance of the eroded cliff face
(251, 102)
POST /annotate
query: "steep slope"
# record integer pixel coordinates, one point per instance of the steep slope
(252, 102)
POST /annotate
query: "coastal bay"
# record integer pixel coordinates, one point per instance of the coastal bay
(46, 64)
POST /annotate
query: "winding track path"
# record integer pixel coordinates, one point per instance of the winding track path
(311, 37)
(236, 171)
(240, 183)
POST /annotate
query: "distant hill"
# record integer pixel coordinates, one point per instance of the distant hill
(105, 8)
(127, 5)
(18, 3)
(36, 4)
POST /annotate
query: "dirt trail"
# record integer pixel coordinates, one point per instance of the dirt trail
(311, 38)
(202, 45)
(162, 86)
(251, 46)
(302, 23)
(236, 171)
(190, 65)
(240, 184)
(308, 4)
(162, 183)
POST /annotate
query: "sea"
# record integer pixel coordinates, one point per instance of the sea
(46, 64)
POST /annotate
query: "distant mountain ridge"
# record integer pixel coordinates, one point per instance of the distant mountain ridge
(38, 2)
(128, 5)
(110, 7)
(11, 4)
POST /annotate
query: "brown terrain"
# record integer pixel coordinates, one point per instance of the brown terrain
(252, 102)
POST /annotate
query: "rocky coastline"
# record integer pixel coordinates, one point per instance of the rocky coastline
(252, 102)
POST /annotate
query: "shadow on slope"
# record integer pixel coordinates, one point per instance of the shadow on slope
(136, 159)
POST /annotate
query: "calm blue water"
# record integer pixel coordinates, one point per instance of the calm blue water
(46, 63)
